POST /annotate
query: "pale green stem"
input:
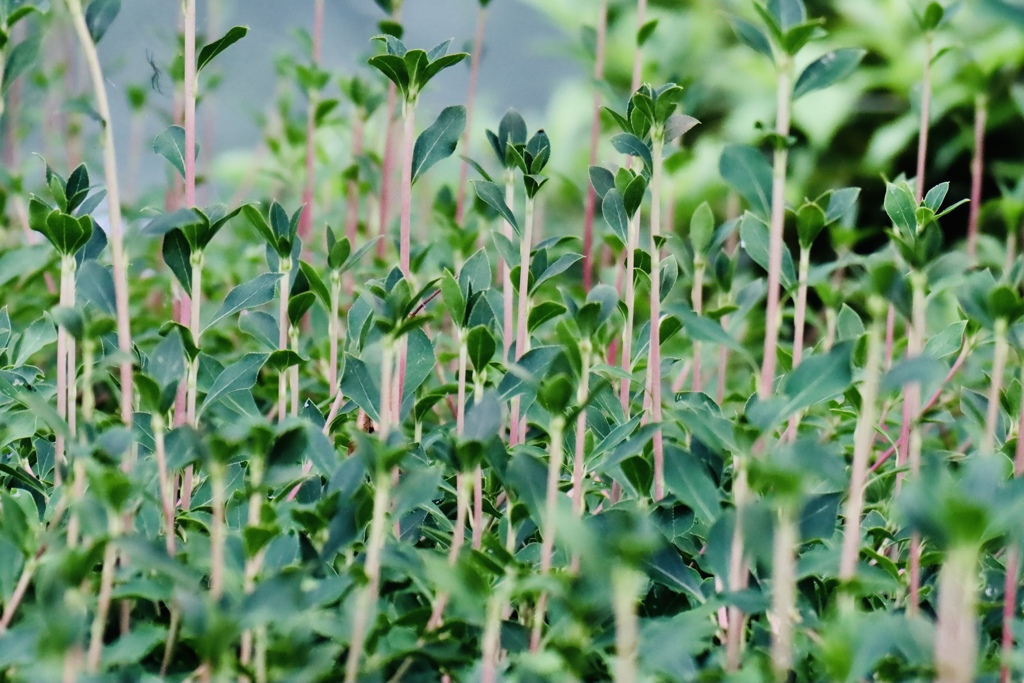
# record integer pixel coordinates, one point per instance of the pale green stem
(956, 623)
(522, 320)
(1002, 350)
(626, 583)
(863, 439)
(366, 604)
(99, 622)
(334, 332)
(778, 217)
(547, 547)
(654, 378)
(783, 592)
(582, 392)
(697, 301)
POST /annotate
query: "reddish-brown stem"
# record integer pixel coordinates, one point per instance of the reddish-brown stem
(352, 187)
(589, 206)
(190, 103)
(306, 220)
(387, 168)
(467, 137)
(630, 295)
(18, 595)
(638, 56)
(926, 100)
(408, 140)
(931, 402)
(977, 172)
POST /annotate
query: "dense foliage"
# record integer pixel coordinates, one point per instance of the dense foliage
(429, 395)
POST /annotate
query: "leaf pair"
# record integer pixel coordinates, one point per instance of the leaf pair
(411, 70)
(280, 231)
(621, 196)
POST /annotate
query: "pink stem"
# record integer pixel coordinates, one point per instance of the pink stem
(589, 206)
(306, 220)
(977, 171)
(467, 137)
(387, 169)
(638, 61)
(926, 99)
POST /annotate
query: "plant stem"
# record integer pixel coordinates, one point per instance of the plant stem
(626, 583)
(589, 206)
(863, 439)
(190, 83)
(547, 547)
(59, 458)
(999, 355)
(956, 632)
(334, 332)
(306, 219)
(284, 268)
(352, 186)
(408, 141)
(99, 622)
(582, 392)
(799, 321)
(630, 297)
(638, 55)
(293, 335)
(196, 262)
(120, 258)
(463, 484)
(20, 588)
(467, 137)
(926, 99)
(164, 479)
(217, 531)
(388, 162)
(522, 320)
(697, 301)
(505, 273)
(1012, 570)
(784, 545)
(737, 566)
(654, 376)
(775, 240)
(366, 605)
(912, 402)
(977, 173)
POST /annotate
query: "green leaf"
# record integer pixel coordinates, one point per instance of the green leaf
(702, 228)
(358, 384)
(901, 206)
(602, 180)
(239, 376)
(481, 346)
(614, 212)
(166, 222)
(451, 293)
(20, 59)
(543, 312)
(439, 140)
(752, 36)
(99, 15)
(754, 236)
(828, 69)
(677, 125)
(932, 17)
(746, 171)
(316, 283)
(255, 292)
(687, 478)
(494, 197)
(628, 143)
(36, 337)
(840, 203)
(393, 67)
(170, 144)
(177, 255)
(645, 32)
(562, 264)
(787, 13)
(211, 50)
